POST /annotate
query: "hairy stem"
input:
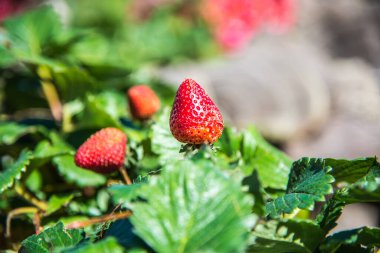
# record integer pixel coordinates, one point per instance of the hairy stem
(50, 92)
(125, 176)
(16, 212)
(109, 217)
(30, 198)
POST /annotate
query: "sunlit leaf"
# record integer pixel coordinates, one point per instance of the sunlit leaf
(14, 171)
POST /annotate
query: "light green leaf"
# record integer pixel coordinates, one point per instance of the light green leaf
(102, 110)
(56, 202)
(52, 239)
(192, 208)
(284, 236)
(10, 132)
(309, 181)
(14, 171)
(108, 245)
(272, 165)
(362, 238)
(74, 174)
(28, 35)
(6, 57)
(122, 193)
(163, 142)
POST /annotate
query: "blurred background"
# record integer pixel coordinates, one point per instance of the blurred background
(306, 73)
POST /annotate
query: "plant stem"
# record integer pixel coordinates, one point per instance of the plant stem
(105, 223)
(30, 198)
(109, 217)
(16, 212)
(125, 176)
(50, 92)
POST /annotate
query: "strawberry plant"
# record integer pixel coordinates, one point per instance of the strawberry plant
(73, 116)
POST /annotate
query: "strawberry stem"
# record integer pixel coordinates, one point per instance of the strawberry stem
(50, 92)
(125, 176)
(30, 198)
(109, 217)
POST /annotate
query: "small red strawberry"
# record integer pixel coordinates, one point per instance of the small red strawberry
(143, 102)
(103, 152)
(195, 119)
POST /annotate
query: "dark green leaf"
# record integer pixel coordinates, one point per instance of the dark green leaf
(350, 170)
(363, 237)
(52, 239)
(255, 188)
(192, 208)
(14, 171)
(309, 182)
(108, 245)
(330, 213)
(366, 189)
(73, 83)
(286, 236)
(123, 231)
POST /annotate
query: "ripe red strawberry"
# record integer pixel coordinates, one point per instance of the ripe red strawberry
(102, 152)
(143, 102)
(195, 119)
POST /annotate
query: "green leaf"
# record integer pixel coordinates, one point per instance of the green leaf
(255, 188)
(52, 239)
(108, 245)
(192, 208)
(6, 57)
(364, 237)
(73, 82)
(102, 110)
(230, 142)
(257, 154)
(13, 172)
(123, 231)
(163, 142)
(331, 211)
(366, 189)
(309, 181)
(350, 170)
(10, 132)
(123, 193)
(284, 236)
(74, 174)
(29, 36)
(56, 202)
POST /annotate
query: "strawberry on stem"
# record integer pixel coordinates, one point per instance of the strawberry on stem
(194, 118)
(103, 152)
(143, 102)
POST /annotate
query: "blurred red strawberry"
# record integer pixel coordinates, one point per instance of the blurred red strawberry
(12, 7)
(234, 22)
(280, 15)
(143, 102)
